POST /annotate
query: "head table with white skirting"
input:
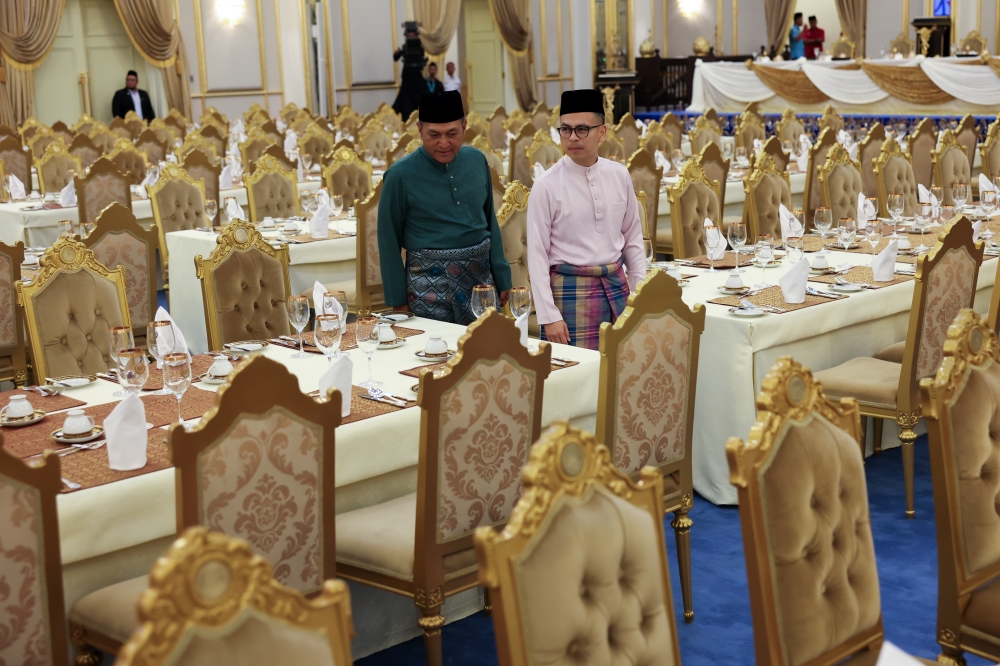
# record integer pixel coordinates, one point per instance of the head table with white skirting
(329, 260)
(114, 532)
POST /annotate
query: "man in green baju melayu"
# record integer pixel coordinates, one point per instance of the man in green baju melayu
(437, 203)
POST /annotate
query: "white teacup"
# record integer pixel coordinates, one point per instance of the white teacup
(18, 408)
(734, 281)
(819, 261)
(267, 223)
(77, 424)
(221, 367)
(436, 346)
(903, 243)
(385, 333)
(290, 225)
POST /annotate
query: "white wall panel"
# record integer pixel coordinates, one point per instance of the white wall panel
(293, 66)
(371, 31)
(752, 28)
(232, 53)
(272, 57)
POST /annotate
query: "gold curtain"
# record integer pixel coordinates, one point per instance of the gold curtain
(438, 22)
(853, 15)
(27, 30)
(155, 33)
(776, 14)
(523, 70)
(909, 84)
(511, 18)
(793, 85)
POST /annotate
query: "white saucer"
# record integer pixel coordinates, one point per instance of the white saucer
(35, 418)
(205, 379)
(397, 317)
(744, 312)
(245, 346)
(822, 271)
(734, 292)
(846, 288)
(71, 382)
(392, 345)
(422, 355)
(94, 434)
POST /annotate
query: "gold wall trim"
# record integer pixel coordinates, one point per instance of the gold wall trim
(367, 86)
(263, 54)
(277, 33)
(979, 16)
(736, 25)
(718, 26)
(236, 93)
(303, 28)
(200, 48)
(331, 94)
(345, 31)
(906, 17)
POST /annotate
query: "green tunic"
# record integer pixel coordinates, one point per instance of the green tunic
(426, 205)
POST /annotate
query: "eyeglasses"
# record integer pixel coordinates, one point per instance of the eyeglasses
(582, 131)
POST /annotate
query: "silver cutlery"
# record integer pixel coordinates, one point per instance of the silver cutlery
(863, 285)
(747, 305)
(56, 382)
(384, 400)
(561, 360)
(46, 392)
(378, 394)
(816, 292)
(296, 340)
(72, 485)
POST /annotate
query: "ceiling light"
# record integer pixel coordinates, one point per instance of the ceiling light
(689, 8)
(230, 12)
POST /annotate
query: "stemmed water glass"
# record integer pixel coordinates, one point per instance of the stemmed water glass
(307, 164)
(727, 150)
(763, 251)
(873, 234)
(160, 340)
(298, 316)
(327, 332)
(307, 200)
(484, 297)
(336, 208)
(650, 250)
(823, 221)
(133, 370)
(713, 240)
(366, 333)
(121, 338)
(177, 378)
(846, 233)
(737, 239)
(894, 203)
(921, 218)
(938, 193)
(211, 210)
(960, 195)
(677, 158)
(741, 157)
(988, 202)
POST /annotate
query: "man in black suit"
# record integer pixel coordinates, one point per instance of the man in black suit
(130, 98)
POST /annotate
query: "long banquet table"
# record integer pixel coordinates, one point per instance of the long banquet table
(114, 532)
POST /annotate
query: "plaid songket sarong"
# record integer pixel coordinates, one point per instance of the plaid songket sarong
(440, 282)
(588, 296)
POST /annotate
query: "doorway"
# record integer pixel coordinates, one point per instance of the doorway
(485, 65)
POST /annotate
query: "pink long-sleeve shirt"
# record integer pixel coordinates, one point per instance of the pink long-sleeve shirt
(583, 216)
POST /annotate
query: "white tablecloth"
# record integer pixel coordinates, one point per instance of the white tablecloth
(330, 260)
(113, 532)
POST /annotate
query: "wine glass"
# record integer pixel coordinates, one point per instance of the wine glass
(737, 239)
(727, 150)
(988, 202)
(366, 333)
(960, 194)
(677, 158)
(823, 221)
(211, 210)
(307, 164)
(797, 224)
(133, 370)
(871, 205)
(894, 203)
(298, 316)
(938, 193)
(121, 338)
(847, 232)
(65, 228)
(921, 219)
(713, 240)
(160, 340)
(336, 208)
(650, 250)
(795, 248)
(873, 234)
(520, 301)
(484, 296)
(177, 378)
(741, 157)
(763, 251)
(307, 200)
(328, 332)
(945, 213)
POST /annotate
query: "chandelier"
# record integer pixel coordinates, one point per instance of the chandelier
(688, 8)
(230, 12)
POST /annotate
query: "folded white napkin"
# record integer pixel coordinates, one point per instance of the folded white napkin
(319, 225)
(234, 210)
(338, 137)
(299, 170)
(236, 126)
(522, 327)
(884, 263)
(125, 430)
(852, 151)
(280, 124)
(720, 251)
(180, 344)
(984, 184)
(861, 218)
(338, 376)
(335, 309)
(897, 56)
(149, 180)
(67, 197)
(843, 138)
(790, 226)
(925, 196)
(802, 161)
(15, 188)
(793, 283)
(554, 133)
(291, 142)
(758, 145)
(889, 654)
(226, 178)
(977, 226)
(662, 161)
(323, 197)
(537, 170)
(171, 158)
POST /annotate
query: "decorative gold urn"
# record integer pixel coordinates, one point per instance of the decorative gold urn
(702, 46)
(647, 49)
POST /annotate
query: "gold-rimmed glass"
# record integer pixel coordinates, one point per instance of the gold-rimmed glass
(65, 228)
(121, 338)
(327, 332)
(366, 334)
(133, 369)
(895, 204)
(484, 297)
(960, 194)
(823, 221)
(177, 378)
(298, 317)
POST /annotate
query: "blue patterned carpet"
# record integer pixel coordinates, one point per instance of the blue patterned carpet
(722, 632)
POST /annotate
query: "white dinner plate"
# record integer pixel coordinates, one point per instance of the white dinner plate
(245, 346)
(846, 288)
(70, 382)
(822, 271)
(206, 379)
(746, 312)
(396, 317)
(734, 292)
(422, 355)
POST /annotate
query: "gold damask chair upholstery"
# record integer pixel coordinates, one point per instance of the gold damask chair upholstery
(178, 202)
(270, 130)
(28, 128)
(211, 600)
(580, 575)
(69, 310)
(516, 121)
(951, 165)
(646, 177)
(244, 283)
(692, 199)
(129, 160)
(920, 146)
(13, 359)
(902, 45)
(810, 557)
(812, 197)
(628, 133)
(367, 291)
(474, 131)
(41, 140)
(278, 153)
(868, 152)
(973, 43)
(789, 127)
(519, 167)
(945, 282)
(119, 240)
(103, 138)
(493, 158)
(200, 167)
(748, 128)
(989, 151)
(961, 403)
(163, 132)
(288, 111)
(703, 134)
(155, 148)
(480, 414)
(766, 189)
(16, 160)
(543, 150)
(390, 120)
(63, 131)
(349, 176)
(830, 119)
(398, 151)
(302, 121)
(498, 133)
(103, 185)
(967, 136)
(253, 147)
(315, 142)
(56, 167)
(195, 141)
(673, 128)
(611, 148)
(649, 372)
(894, 175)
(84, 148)
(375, 140)
(177, 126)
(840, 183)
(135, 124)
(348, 121)
(33, 614)
(271, 190)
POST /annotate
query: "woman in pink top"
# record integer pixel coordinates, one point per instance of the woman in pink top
(584, 231)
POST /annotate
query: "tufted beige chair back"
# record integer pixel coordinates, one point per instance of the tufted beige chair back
(179, 204)
(692, 199)
(398, 151)
(920, 146)
(41, 140)
(703, 135)
(540, 117)
(375, 140)
(271, 190)
(646, 177)
(154, 147)
(772, 148)
(252, 149)
(950, 284)
(348, 176)
(766, 191)
(119, 129)
(368, 281)
(129, 161)
(493, 159)
(868, 152)
(716, 167)
(103, 185)
(104, 139)
(967, 136)
(611, 149)
(748, 129)
(16, 160)
(989, 151)
(520, 168)
(83, 147)
(841, 186)
(628, 133)
(543, 150)
(498, 190)
(61, 130)
(894, 175)
(214, 136)
(512, 215)
(608, 602)
(658, 141)
(673, 128)
(806, 528)
(200, 167)
(813, 196)
(7, 130)
(70, 308)
(270, 129)
(245, 285)
(56, 168)
(830, 120)
(13, 360)
(316, 144)
(790, 128)
(951, 165)
(497, 133)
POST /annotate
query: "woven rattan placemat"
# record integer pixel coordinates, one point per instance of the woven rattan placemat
(772, 297)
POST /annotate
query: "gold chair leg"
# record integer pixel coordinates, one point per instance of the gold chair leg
(682, 532)
(431, 622)
(906, 423)
(85, 654)
(951, 657)
(864, 435)
(877, 444)
(487, 605)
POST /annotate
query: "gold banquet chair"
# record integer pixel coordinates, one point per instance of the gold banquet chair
(840, 183)
(272, 190)
(989, 151)
(512, 216)
(278, 153)
(398, 150)
(579, 574)
(766, 189)
(270, 129)
(69, 310)
(349, 176)
(657, 140)
(789, 127)
(28, 128)
(178, 203)
(712, 117)
(967, 136)
(103, 185)
(211, 600)
(164, 133)
(85, 149)
(540, 117)
(493, 158)
(894, 175)
(812, 197)
(519, 167)
(103, 137)
(13, 359)
(200, 167)
(945, 282)
(33, 614)
(16, 160)
(56, 168)
(951, 165)
(654, 343)
(498, 190)
(195, 141)
(646, 177)
(868, 151)
(920, 145)
(315, 142)
(961, 403)
(716, 167)
(253, 147)
(830, 119)
(703, 134)
(498, 133)
(42, 139)
(119, 240)
(215, 134)
(692, 199)
(152, 145)
(772, 148)
(810, 557)
(135, 124)
(129, 160)
(543, 150)
(488, 397)
(611, 148)
(366, 289)
(63, 131)
(673, 128)
(972, 43)
(902, 45)
(244, 284)
(516, 121)
(627, 133)
(748, 128)
(374, 140)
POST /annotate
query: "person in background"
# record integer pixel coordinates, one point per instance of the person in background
(412, 84)
(795, 44)
(130, 98)
(431, 83)
(451, 80)
(813, 38)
